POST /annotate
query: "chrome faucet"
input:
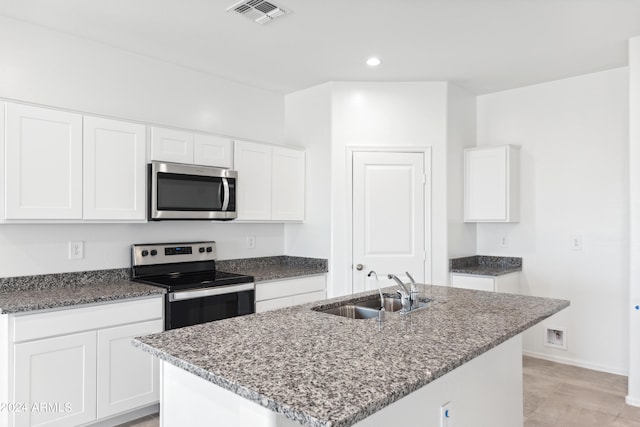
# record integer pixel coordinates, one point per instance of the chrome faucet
(405, 293)
(379, 289)
(414, 290)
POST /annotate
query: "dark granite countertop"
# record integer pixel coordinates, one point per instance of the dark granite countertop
(274, 267)
(326, 370)
(485, 265)
(29, 293)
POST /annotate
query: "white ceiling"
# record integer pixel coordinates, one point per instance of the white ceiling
(483, 45)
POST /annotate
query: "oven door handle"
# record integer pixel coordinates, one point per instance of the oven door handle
(207, 292)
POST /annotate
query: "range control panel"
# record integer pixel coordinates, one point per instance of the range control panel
(167, 253)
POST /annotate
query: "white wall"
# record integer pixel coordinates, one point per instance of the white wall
(308, 124)
(47, 67)
(388, 114)
(634, 200)
(574, 180)
(42, 66)
(43, 248)
(461, 133)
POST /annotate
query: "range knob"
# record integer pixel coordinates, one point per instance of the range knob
(154, 252)
(201, 250)
(209, 249)
(145, 252)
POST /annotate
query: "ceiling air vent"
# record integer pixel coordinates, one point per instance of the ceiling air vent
(259, 11)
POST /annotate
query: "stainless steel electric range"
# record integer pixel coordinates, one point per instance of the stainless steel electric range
(196, 291)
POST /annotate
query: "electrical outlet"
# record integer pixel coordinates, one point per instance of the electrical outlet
(251, 242)
(76, 250)
(504, 242)
(446, 415)
(576, 242)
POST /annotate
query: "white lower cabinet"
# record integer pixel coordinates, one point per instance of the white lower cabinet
(507, 283)
(55, 379)
(289, 292)
(127, 376)
(77, 366)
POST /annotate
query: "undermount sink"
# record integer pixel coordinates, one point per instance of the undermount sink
(369, 308)
(353, 312)
(390, 303)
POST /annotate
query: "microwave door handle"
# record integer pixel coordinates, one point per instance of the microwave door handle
(225, 194)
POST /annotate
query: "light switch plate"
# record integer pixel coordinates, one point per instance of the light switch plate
(576, 242)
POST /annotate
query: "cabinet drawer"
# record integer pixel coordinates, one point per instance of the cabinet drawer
(289, 287)
(273, 304)
(310, 297)
(34, 326)
(478, 283)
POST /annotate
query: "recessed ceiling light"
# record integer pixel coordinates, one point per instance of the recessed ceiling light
(373, 61)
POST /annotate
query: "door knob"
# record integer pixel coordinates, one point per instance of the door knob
(359, 267)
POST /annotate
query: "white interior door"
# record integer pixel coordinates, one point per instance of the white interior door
(388, 216)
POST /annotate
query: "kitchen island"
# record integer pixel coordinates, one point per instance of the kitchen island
(462, 351)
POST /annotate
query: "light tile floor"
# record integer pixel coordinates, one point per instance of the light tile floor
(555, 395)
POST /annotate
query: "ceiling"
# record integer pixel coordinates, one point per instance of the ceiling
(482, 45)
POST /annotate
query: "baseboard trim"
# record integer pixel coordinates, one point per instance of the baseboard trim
(633, 401)
(578, 363)
(128, 416)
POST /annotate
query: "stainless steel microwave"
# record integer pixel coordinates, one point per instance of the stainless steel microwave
(191, 192)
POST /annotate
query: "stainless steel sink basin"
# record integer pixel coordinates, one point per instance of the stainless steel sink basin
(370, 308)
(353, 312)
(390, 304)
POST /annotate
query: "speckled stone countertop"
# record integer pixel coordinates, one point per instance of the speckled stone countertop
(326, 370)
(485, 265)
(29, 293)
(274, 267)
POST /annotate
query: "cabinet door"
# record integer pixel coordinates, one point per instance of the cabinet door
(491, 184)
(290, 287)
(43, 176)
(310, 297)
(114, 170)
(273, 304)
(210, 150)
(2, 136)
(477, 283)
(56, 379)
(253, 194)
(288, 184)
(168, 145)
(127, 376)
(486, 184)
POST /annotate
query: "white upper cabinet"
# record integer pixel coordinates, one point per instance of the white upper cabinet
(271, 182)
(2, 166)
(491, 184)
(114, 170)
(252, 161)
(288, 184)
(43, 175)
(211, 150)
(168, 145)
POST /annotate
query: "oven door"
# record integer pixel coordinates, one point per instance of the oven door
(186, 308)
(191, 192)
